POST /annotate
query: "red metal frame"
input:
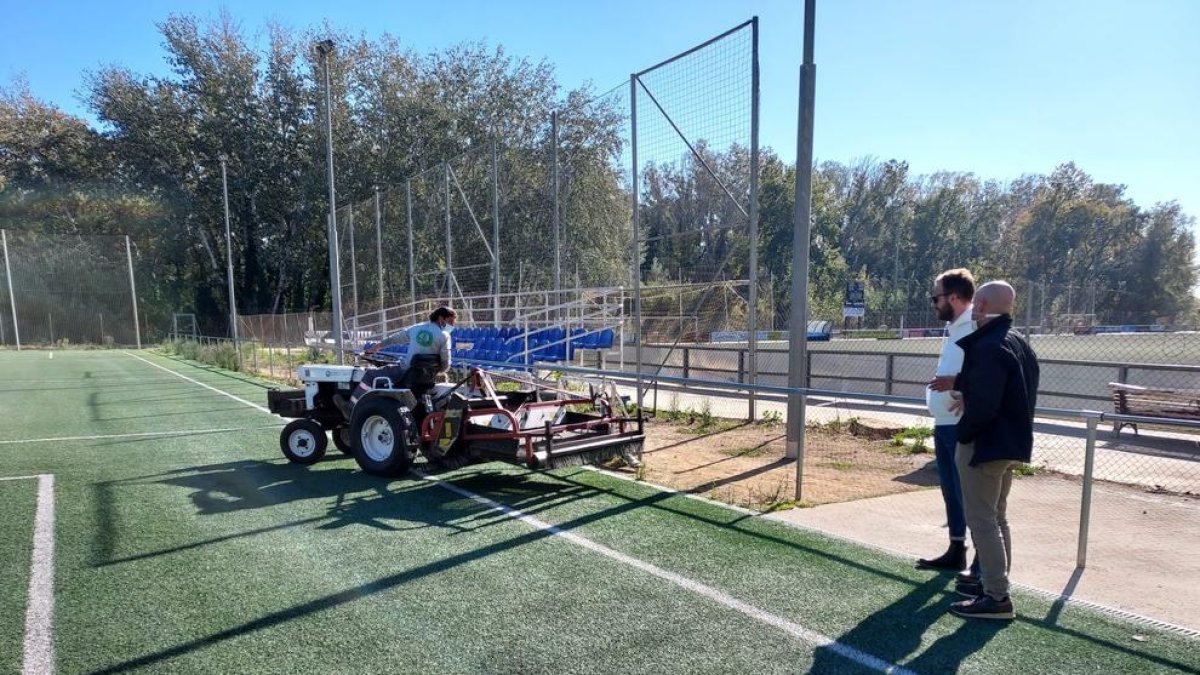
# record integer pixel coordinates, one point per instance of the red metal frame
(431, 426)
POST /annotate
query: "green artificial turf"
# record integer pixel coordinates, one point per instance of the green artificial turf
(203, 550)
(17, 502)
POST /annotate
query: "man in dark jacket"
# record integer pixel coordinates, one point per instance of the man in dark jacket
(999, 382)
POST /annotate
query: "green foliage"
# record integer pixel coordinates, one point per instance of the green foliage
(771, 418)
(222, 354)
(1023, 470)
(834, 426)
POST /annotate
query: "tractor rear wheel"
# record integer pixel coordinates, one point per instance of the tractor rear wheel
(303, 441)
(384, 437)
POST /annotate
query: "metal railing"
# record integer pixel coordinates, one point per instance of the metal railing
(889, 380)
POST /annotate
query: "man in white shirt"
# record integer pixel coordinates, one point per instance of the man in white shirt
(431, 338)
(428, 354)
(953, 292)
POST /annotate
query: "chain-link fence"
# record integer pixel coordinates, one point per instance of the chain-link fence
(64, 290)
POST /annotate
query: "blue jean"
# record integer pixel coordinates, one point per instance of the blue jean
(945, 440)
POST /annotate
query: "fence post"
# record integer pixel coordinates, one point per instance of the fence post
(1085, 507)
(379, 260)
(741, 373)
(287, 344)
(891, 370)
(353, 260)
(495, 235)
(12, 303)
(449, 243)
(412, 276)
(686, 362)
(1123, 374)
(556, 216)
(637, 235)
(753, 217)
(137, 331)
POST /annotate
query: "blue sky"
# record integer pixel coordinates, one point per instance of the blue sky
(995, 88)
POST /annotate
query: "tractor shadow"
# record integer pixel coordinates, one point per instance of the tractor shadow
(330, 495)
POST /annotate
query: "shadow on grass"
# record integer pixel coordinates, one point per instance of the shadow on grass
(892, 633)
(424, 502)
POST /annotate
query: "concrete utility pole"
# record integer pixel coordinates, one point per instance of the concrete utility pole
(801, 233)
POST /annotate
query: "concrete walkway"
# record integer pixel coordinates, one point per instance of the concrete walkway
(1143, 556)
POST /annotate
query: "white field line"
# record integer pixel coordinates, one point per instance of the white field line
(185, 377)
(145, 434)
(38, 656)
(789, 627)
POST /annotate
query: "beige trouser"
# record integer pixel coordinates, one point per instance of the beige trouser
(985, 490)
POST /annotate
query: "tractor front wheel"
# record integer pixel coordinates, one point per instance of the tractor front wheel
(303, 441)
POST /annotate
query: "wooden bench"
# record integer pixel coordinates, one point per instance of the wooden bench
(1129, 399)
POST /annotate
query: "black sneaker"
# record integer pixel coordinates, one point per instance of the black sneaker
(984, 607)
(968, 589)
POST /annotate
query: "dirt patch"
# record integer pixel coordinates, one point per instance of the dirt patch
(744, 464)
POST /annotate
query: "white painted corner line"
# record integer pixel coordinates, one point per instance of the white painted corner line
(791, 628)
(197, 382)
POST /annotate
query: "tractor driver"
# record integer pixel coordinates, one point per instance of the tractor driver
(428, 354)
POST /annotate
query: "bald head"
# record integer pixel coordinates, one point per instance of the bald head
(992, 299)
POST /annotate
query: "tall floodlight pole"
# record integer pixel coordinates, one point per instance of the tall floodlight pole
(557, 224)
(12, 301)
(325, 49)
(233, 331)
(801, 233)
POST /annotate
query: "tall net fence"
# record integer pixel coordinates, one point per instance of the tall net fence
(67, 290)
(695, 153)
